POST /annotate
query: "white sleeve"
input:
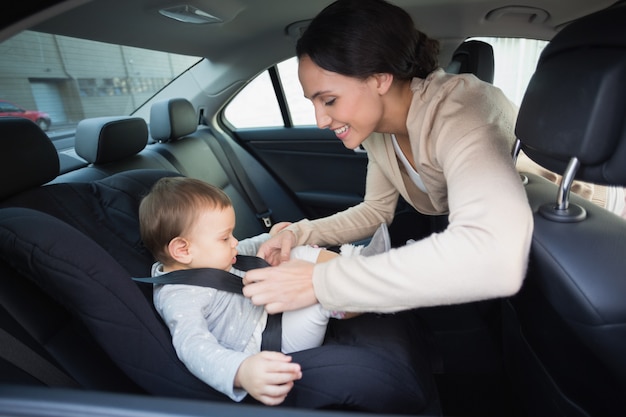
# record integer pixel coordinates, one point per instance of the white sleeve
(250, 246)
(306, 253)
(182, 309)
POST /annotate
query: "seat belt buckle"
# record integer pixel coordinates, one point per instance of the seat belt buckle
(266, 218)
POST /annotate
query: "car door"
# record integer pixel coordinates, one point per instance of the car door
(280, 132)
(313, 164)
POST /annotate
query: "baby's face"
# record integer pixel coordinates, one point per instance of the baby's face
(212, 244)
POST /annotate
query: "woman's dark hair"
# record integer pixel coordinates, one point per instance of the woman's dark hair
(359, 38)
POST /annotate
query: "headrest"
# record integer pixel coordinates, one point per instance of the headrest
(172, 119)
(28, 158)
(574, 104)
(106, 139)
(473, 57)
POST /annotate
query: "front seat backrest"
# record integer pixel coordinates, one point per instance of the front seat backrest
(25, 146)
(571, 309)
(473, 57)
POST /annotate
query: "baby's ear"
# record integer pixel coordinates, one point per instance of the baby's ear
(178, 249)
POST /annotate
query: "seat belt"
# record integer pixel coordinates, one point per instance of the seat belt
(226, 281)
(229, 159)
(29, 361)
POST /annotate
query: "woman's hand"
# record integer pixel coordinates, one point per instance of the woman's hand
(268, 376)
(278, 227)
(277, 248)
(288, 286)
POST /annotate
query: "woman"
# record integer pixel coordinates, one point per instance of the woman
(441, 141)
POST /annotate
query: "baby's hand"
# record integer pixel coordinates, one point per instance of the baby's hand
(268, 376)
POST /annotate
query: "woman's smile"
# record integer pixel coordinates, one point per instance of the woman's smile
(342, 132)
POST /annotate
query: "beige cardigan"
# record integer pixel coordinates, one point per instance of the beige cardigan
(461, 132)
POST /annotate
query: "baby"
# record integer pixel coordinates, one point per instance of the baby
(186, 224)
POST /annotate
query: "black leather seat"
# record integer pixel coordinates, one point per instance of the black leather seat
(566, 329)
(112, 144)
(473, 57)
(198, 151)
(79, 243)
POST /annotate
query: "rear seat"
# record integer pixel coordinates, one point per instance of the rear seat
(48, 327)
(116, 144)
(110, 145)
(90, 319)
(173, 125)
(100, 200)
(196, 152)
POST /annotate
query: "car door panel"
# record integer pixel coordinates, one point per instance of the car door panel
(312, 163)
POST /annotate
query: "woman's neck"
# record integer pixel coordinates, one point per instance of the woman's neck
(396, 109)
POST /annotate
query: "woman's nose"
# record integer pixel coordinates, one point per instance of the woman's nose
(323, 120)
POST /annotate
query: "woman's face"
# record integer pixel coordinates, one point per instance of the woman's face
(349, 106)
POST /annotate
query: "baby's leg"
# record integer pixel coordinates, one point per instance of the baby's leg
(379, 243)
(304, 328)
(312, 254)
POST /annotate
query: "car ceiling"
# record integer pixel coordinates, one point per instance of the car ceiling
(138, 23)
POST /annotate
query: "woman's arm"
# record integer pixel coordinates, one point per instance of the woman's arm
(482, 254)
(354, 223)
(350, 225)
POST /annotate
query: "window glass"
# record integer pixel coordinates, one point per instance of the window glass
(515, 62)
(255, 105)
(300, 108)
(57, 81)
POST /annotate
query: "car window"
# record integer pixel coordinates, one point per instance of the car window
(6, 107)
(57, 81)
(257, 106)
(514, 61)
(300, 108)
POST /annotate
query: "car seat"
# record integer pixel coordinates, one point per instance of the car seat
(473, 57)
(566, 329)
(79, 242)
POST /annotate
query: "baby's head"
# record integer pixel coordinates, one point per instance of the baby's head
(188, 223)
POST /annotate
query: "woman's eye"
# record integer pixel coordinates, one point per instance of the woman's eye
(329, 102)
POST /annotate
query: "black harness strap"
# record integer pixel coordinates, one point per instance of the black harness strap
(225, 281)
(203, 277)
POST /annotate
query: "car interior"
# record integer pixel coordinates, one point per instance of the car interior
(79, 337)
